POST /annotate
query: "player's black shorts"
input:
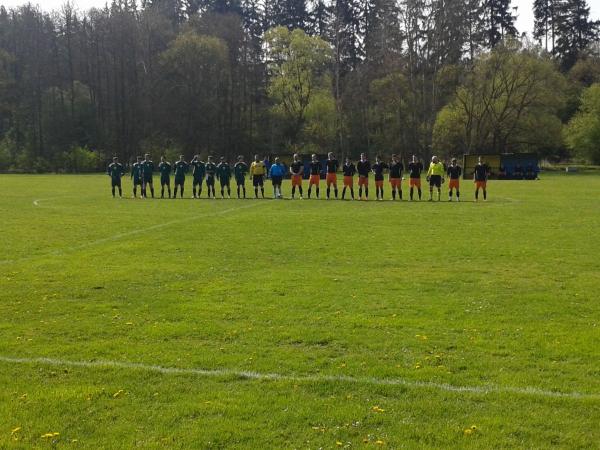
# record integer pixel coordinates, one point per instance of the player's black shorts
(224, 181)
(137, 181)
(165, 180)
(210, 180)
(435, 180)
(276, 180)
(148, 180)
(116, 182)
(240, 180)
(258, 180)
(197, 181)
(179, 181)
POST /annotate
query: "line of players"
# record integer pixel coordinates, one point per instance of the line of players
(142, 173)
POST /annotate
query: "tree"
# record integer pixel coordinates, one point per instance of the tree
(583, 131)
(574, 31)
(194, 70)
(297, 64)
(499, 20)
(508, 103)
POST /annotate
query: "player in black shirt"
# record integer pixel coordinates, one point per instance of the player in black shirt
(164, 168)
(332, 166)
(480, 177)
(454, 172)
(211, 171)
(396, 169)
(349, 170)
(296, 171)
(180, 169)
(415, 168)
(378, 169)
(315, 175)
(363, 167)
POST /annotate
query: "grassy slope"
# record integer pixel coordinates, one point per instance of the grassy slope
(505, 293)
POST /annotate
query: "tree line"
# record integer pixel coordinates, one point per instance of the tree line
(229, 77)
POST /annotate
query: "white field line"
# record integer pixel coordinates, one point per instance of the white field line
(115, 237)
(250, 375)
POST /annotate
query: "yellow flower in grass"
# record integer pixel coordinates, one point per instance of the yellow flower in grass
(15, 430)
(118, 393)
(338, 443)
(50, 435)
(379, 442)
(377, 409)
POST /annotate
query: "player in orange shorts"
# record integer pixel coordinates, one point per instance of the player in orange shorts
(378, 169)
(296, 171)
(396, 169)
(415, 168)
(454, 172)
(349, 170)
(480, 177)
(363, 167)
(331, 166)
(315, 175)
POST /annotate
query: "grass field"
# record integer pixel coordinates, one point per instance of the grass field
(299, 324)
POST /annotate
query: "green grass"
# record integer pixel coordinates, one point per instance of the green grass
(497, 295)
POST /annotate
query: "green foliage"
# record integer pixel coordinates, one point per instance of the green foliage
(298, 67)
(583, 131)
(80, 160)
(508, 103)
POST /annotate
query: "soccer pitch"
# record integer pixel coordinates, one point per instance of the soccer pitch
(299, 324)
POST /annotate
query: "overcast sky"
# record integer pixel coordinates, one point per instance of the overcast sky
(524, 22)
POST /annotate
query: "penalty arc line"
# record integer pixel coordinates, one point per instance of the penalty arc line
(259, 376)
(118, 236)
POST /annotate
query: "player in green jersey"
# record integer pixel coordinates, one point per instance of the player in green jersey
(136, 175)
(211, 172)
(181, 168)
(198, 171)
(164, 168)
(224, 176)
(240, 170)
(116, 171)
(147, 176)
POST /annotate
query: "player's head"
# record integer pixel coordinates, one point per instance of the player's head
(377, 158)
(330, 155)
(139, 158)
(147, 156)
(181, 157)
(347, 160)
(210, 158)
(222, 159)
(296, 157)
(363, 156)
(240, 158)
(256, 158)
(162, 159)
(434, 159)
(115, 159)
(453, 161)
(195, 157)
(479, 159)
(414, 158)
(314, 157)
(277, 160)
(394, 158)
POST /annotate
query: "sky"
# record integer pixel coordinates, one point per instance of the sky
(524, 21)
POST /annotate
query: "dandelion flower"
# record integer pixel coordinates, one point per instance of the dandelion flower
(379, 442)
(15, 430)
